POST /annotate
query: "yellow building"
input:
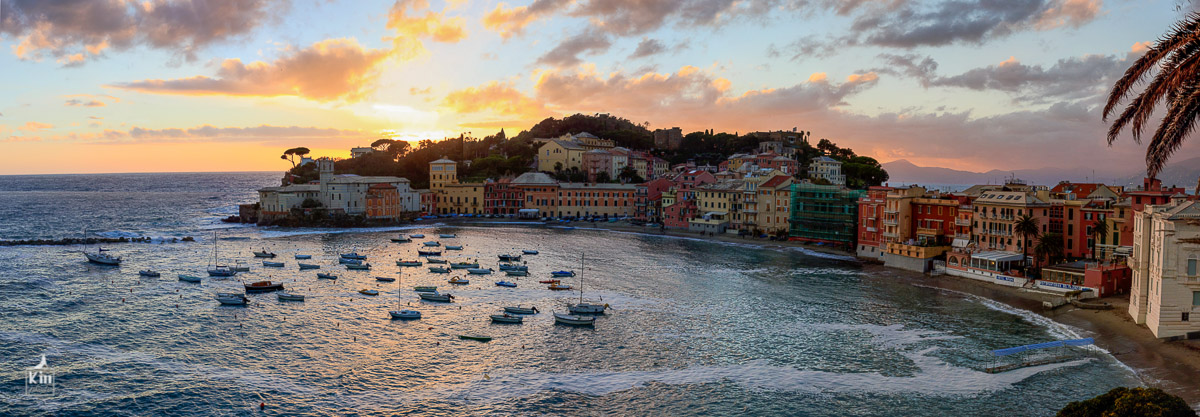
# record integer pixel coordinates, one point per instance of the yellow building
(560, 155)
(442, 172)
(461, 199)
(774, 203)
(722, 199)
(606, 200)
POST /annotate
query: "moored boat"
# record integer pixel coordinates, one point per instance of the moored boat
(309, 266)
(102, 258)
(572, 320)
(506, 284)
(401, 239)
(232, 299)
(506, 266)
(439, 270)
(479, 271)
(454, 247)
(264, 286)
(326, 276)
(365, 291)
(436, 260)
(509, 258)
(149, 273)
(529, 252)
(464, 265)
(353, 255)
(425, 288)
(562, 274)
(478, 338)
(447, 236)
(189, 278)
(416, 236)
(284, 296)
(460, 281)
(506, 318)
(263, 254)
(358, 267)
(587, 308)
(348, 261)
(429, 253)
(521, 310)
(432, 243)
(559, 287)
(298, 256)
(549, 281)
(408, 263)
(435, 296)
(240, 267)
(273, 264)
(405, 314)
(385, 279)
(517, 273)
(221, 271)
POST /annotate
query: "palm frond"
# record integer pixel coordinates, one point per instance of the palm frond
(1182, 32)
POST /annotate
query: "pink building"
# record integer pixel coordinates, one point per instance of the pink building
(596, 161)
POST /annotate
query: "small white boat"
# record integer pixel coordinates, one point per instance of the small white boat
(405, 314)
(454, 247)
(348, 261)
(353, 255)
(149, 273)
(436, 260)
(309, 266)
(416, 236)
(408, 263)
(326, 276)
(517, 273)
(448, 236)
(464, 265)
(365, 291)
(385, 279)
(102, 258)
(283, 296)
(529, 252)
(263, 254)
(561, 274)
(432, 243)
(460, 281)
(273, 264)
(434, 296)
(521, 310)
(573, 320)
(587, 308)
(479, 271)
(506, 318)
(189, 278)
(232, 299)
(303, 256)
(439, 270)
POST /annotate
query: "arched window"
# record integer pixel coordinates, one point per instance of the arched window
(953, 261)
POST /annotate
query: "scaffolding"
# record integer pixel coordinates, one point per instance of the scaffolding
(824, 213)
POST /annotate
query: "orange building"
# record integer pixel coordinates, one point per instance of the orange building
(383, 202)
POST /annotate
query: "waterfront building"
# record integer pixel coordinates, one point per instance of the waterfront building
(540, 191)
(933, 220)
(347, 193)
(428, 201)
(824, 214)
(461, 198)
(441, 173)
(870, 222)
(774, 204)
(501, 197)
(1166, 269)
(588, 199)
(1151, 192)
(717, 204)
(826, 168)
(560, 155)
(383, 202)
(897, 214)
(278, 202)
(597, 161)
(996, 215)
(1104, 278)
(648, 201)
(668, 138)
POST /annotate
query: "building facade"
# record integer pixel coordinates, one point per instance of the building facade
(826, 168)
(1166, 269)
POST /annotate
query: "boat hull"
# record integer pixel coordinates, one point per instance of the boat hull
(405, 315)
(385, 279)
(282, 296)
(520, 310)
(326, 276)
(264, 286)
(425, 289)
(189, 278)
(476, 338)
(500, 318)
(441, 298)
(589, 309)
(571, 320)
(273, 264)
(309, 266)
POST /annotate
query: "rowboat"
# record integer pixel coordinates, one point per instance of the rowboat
(506, 284)
(521, 310)
(510, 258)
(464, 265)
(436, 260)
(401, 239)
(559, 287)
(549, 281)
(189, 278)
(453, 247)
(479, 271)
(434, 296)
(448, 236)
(385, 279)
(571, 320)
(273, 264)
(326, 276)
(405, 314)
(264, 286)
(461, 281)
(429, 253)
(432, 243)
(504, 266)
(149, 273)
(439, 270)
(506, 318)
(587, 308)
(365, 291)
(408, 263)
(263, 254)
(283, 296)
(517, 273)
(425, 288)
(348, 261)
(529, 252)
(416, 236)
(562, 274)
(353, 255)
(303, 256)
(232, 299)
(309, 266)
(359, 267)
(479, 338)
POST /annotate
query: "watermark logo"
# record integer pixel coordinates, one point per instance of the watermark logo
(39, 380)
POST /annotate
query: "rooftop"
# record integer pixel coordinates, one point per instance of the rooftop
(534, 178)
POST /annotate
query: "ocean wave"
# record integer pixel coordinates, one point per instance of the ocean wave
(805, 251)
(269, 233)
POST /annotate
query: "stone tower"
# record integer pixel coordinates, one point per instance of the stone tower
(325, 165)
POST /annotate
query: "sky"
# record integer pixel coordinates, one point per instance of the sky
(226, 85)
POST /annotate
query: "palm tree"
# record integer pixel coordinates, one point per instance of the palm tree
(1099, 231)
(1175, 58)
(1049, 246)
(1026, 226)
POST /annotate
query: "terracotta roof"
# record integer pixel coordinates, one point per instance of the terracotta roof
(775, 181)
(443, 161)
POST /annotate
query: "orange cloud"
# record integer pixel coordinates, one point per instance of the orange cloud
(332, 69)
(35, 126)
(494, 97)
(511, 22)
(431, 25)
(202, 133)
(1073, 13)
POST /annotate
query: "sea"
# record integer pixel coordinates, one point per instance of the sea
(695, 327)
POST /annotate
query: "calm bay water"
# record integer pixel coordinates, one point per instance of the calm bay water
(697, 328)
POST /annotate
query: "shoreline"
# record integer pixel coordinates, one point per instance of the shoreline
(1171, 366)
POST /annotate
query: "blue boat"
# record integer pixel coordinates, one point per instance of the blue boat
(506, 284)
(559, 274)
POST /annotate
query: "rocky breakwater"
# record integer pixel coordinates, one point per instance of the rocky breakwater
(92, 241)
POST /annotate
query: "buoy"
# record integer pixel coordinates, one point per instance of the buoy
(122, 300)
(262, 406)
(355, 338)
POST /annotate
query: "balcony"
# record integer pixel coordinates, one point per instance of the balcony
(891, 211)
(892, 235)
(913, 251)
(928, 231)
(891, 222)
(962, 222)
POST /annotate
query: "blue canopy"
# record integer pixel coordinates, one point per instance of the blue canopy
(1056, 343)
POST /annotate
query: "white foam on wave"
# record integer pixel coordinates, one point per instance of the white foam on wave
(101, 353)
(805, 251)
(268, 233)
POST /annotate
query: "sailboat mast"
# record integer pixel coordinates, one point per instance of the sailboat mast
(580, 278)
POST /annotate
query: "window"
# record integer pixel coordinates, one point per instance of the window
(1191, 267)
(1196, 298)
(1185, 317)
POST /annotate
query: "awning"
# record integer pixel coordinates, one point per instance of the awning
(998, 256)
(960, 243)
(527, 211)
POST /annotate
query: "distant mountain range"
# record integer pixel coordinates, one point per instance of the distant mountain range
(1181, 173)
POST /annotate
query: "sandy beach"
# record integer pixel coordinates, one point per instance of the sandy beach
(1172, 366)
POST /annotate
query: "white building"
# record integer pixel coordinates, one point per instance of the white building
(827, 168)
(360, 151)
(279, 201)
(1166, 274)
(348, 193)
